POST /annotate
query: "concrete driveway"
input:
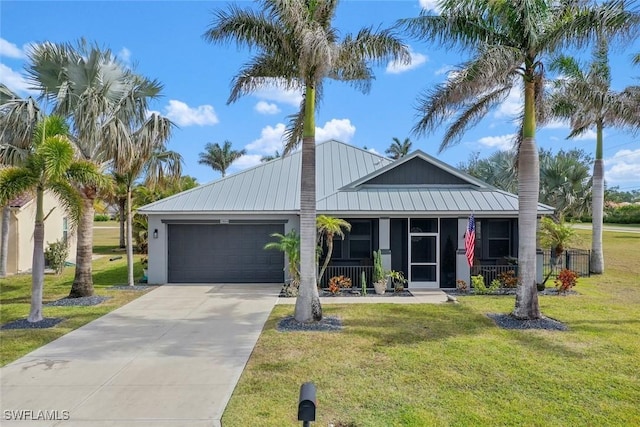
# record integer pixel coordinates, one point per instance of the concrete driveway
(170, 358)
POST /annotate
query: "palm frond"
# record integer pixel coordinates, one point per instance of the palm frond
(69, 199)
(15, 181)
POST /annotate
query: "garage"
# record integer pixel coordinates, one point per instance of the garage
(223, 253)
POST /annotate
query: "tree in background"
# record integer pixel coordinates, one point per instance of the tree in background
(398, 149)
(220, 157)
(268, 158)
(89, 86)
(298, 49)
(152, 161)
(51, 165)
(585, 97)
(18, 120)
(508, 41)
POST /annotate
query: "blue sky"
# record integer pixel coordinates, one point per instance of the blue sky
(163, 40)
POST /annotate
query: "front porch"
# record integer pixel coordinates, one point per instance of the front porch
(428, 251)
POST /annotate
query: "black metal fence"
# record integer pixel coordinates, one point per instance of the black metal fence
(352, 272)
(492, 272)
(578, 260)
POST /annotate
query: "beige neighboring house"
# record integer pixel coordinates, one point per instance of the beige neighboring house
(21, 222)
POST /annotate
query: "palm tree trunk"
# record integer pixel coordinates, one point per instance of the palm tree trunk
(308, 302)
(597, 207)
(526, 306)
(4, 240)
(122, 203)
(328, 258)
(37, 266)
(129, 240)
(83, 280)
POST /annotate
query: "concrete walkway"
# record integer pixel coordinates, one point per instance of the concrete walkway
(169, 358)
(420, 296)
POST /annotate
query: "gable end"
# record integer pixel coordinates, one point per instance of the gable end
(416, 172)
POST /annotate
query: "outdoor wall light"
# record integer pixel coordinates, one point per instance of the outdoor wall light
(155, 233)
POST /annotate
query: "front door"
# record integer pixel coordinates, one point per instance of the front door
(423, 253)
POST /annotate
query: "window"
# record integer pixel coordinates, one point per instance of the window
(65, 229)
(360, 239)
(499, 238)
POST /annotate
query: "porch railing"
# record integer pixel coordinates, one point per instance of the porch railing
(578, 260)
(352, 272)
(492, 272)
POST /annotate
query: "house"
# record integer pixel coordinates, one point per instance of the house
(22, 215)
(415, 210)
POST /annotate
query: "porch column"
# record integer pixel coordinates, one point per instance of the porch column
(463, 271)
(384, 238)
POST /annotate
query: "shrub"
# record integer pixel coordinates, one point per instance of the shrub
(461, 285)
(101, 218)
(398, 280)
(566, 280)
(56, 254)
(479, 286)
(629, 214)
(508, 279)
(336, 283)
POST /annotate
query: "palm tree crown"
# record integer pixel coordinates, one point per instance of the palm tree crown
(399, 149)
(220, 157)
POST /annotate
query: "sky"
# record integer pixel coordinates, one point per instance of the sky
(163, 40)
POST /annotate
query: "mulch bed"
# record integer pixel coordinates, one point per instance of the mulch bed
(47, 322)
(507, 321)
(357, 293)
(507, 291)
(327, 324)
(81, 302)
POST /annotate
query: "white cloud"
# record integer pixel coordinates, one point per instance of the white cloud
(183, 115)
(445, 69)
(246, 161)
(374, 151)
(430, 5)
(264, 107)
(502, 142)
(511, 106)
(10, 50)
(623, 168)
(270, 140)
(397, 67)
(557, 124)
(277, 94)
(124, 55)
(15, 81)
(339, 129)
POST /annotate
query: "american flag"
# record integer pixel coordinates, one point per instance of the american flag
(470, 240)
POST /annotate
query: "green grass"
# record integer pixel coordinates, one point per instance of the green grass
(15, 294)
(432, 365)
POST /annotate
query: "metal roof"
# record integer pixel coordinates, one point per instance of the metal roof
(274, 186)
(342, 173)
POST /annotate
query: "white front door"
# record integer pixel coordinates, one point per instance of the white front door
(423, 252)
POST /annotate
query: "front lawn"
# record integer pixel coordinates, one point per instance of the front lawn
(15, 297)
(425, 365)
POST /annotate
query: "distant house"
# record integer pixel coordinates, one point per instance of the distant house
(22, 216)
(414, 209)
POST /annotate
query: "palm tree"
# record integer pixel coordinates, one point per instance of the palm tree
(297, 48)
(289, 244)
(220, 158)
(328, 228)
(89, 85)
(49, 166)
(398, 149)
(18, 119)
(269, 157)
(151, 160)
(508, 41)
(585, 97)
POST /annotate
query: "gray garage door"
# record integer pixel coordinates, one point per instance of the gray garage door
(224, 253)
